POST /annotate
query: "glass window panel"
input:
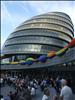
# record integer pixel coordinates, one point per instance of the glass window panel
(36, 39)
(41, 32)
(48, 20)
(48, 26)
(55, 17)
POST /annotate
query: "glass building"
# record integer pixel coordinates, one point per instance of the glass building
(39, 35)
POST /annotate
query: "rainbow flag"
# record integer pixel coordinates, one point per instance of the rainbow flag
(72, 43)
(51, 54)
(62, 51)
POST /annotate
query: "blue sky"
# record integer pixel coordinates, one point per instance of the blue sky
(13, 13)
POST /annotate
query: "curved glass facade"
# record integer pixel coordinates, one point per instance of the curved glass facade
(46, 26)
(28, 48)
(40, 34)
(53, 17)
(48, 20)
(38, 39)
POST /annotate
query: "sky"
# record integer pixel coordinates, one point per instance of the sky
(13, 13)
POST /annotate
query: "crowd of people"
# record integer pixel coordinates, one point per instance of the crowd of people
(26, 88)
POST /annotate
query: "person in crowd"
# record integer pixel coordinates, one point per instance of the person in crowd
(66, 91)
(46, 94)
(7, 97)
(33, 91)
(11, 95)
(26, 94)
(43, 84)
(1, 82)
(57, 81)
(53, 92)
(15, 96)
(1, 97)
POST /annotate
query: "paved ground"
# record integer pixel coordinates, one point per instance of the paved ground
(5, 90)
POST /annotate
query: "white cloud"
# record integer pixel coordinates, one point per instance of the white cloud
(7, 18)
(5, 14)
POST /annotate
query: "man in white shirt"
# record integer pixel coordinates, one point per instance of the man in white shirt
(46, 94)
(66, 92)
(32, 91)
(45, 97)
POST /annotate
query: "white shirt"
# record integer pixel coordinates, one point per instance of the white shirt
(32, 91)
(1, 80)
(66, 93)
(45, 97)
(2, 99)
